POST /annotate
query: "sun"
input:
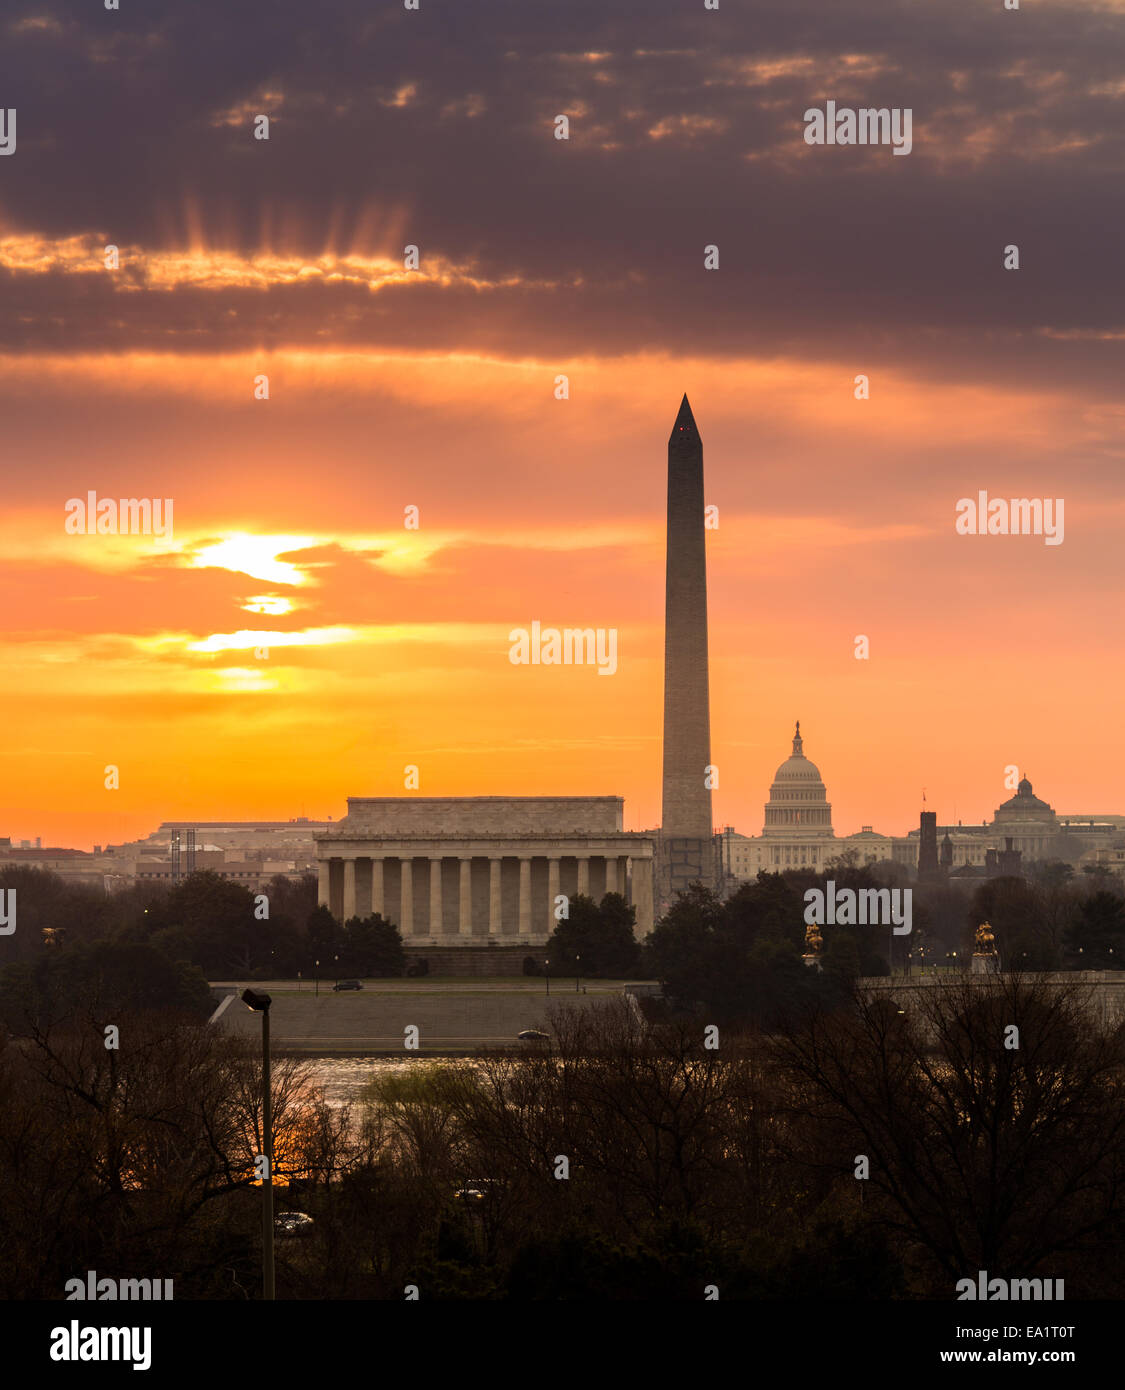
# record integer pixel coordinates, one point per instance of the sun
(255, 555)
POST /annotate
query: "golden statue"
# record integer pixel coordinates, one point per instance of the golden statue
(813, 940)
(985, 942)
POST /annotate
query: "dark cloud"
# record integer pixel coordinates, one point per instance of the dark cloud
(435, 127)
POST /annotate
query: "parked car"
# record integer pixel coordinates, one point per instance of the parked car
(293, 1223)
(533, 1035)
(477, 1189)
(346, 984)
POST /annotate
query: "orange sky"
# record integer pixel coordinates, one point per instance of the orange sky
(433, 387)
(393, 644)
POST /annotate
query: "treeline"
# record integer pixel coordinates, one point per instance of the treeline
(860, 1152)
(741, 958)
(219, 927)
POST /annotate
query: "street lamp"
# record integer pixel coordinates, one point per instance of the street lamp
(577, 972)
(260, 1003)
(298, 981)
(337, 959)
(547, 967)
(318, 979)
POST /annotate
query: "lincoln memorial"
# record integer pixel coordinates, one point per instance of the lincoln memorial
(480, 870)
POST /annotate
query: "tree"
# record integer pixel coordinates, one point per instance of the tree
(1052, 873)
(840, 962)
(373, 946)
(324, 936)
(1096, 941)
(105, 980)
(741, 959)
(1014, 909)
(678, 949)
(142, 1159)
(617, 954)
(46, 902)
(595, 940)
(981, 1155)
(210, 921)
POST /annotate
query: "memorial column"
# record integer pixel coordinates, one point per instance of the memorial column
(495, 926)
(377, 885)
(552, 892)
(435, 895)
(465, 906)
(406, 897)
(525, 895)
(349, 888)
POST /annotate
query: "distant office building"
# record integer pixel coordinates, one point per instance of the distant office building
(247, 852)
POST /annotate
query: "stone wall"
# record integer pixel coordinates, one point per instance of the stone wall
(483, 815)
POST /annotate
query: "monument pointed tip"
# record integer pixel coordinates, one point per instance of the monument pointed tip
(685, 420)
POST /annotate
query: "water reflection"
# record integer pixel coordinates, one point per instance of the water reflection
(343, 1079)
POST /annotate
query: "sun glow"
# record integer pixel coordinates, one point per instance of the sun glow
(270, 604)
(256, 556)
(247, 639)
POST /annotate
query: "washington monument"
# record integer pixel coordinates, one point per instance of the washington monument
(686, 848)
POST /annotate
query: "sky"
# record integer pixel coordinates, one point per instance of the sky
(294, 642)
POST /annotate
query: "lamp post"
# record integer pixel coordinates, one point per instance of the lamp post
(318, 979)
(298, 981)
(547, 968)
(577, 972)
(337, 959)
(260, 1003)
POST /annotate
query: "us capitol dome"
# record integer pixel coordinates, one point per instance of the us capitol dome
(798, 813)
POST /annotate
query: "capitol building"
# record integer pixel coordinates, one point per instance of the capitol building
(798, 824)
(798, 832)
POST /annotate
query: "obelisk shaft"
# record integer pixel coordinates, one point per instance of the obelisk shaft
(686, 817)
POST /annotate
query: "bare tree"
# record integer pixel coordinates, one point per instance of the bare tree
(992, 1114)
